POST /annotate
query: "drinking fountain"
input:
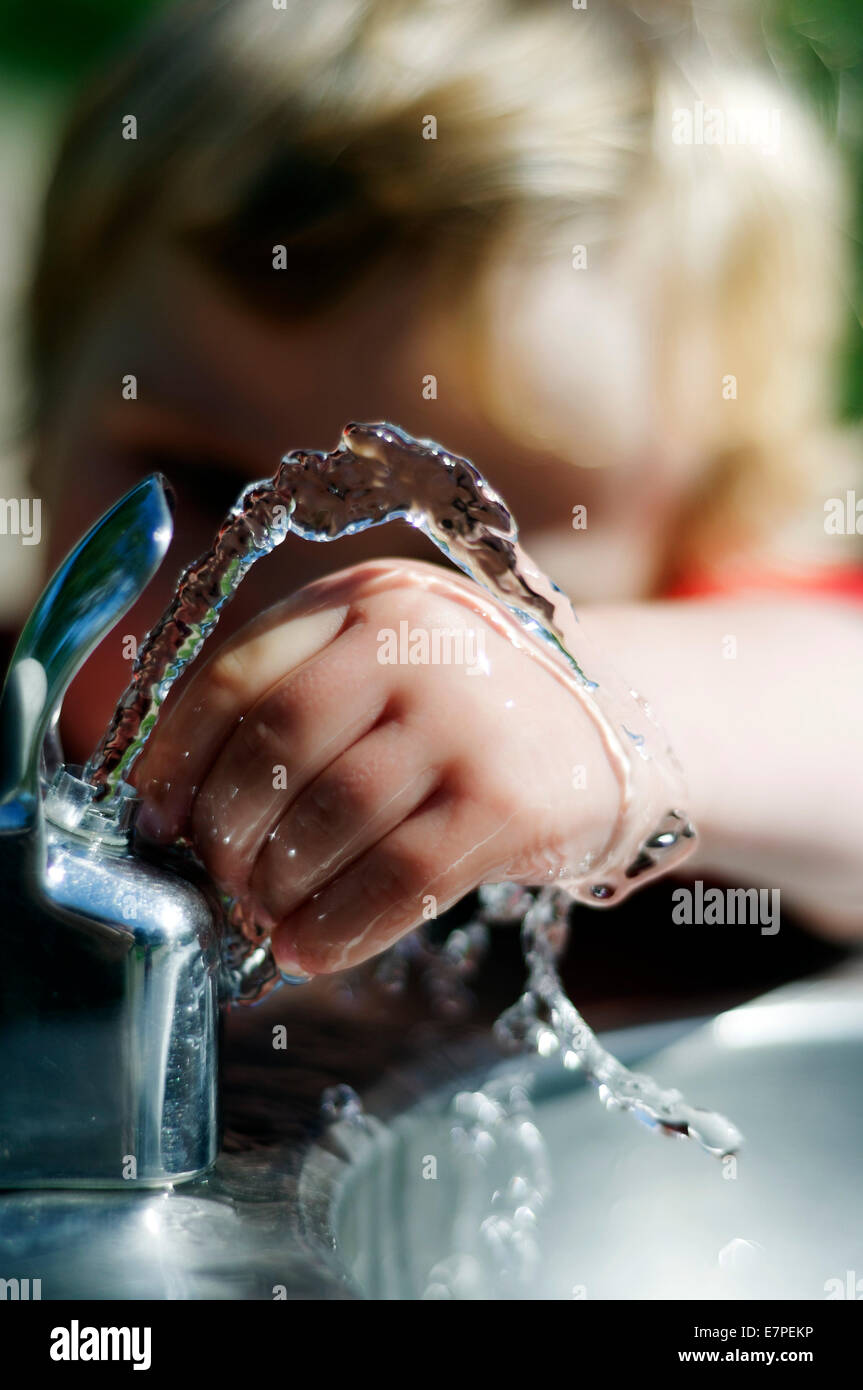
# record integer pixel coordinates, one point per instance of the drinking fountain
(109, 987)
(115, 970)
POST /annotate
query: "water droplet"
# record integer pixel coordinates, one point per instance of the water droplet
(341, 1103)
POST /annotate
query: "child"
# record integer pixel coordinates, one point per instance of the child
(501, 225)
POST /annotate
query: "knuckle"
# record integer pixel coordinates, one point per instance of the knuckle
(261, 738)
(227, 674)
(331, 804)
(395, 877)
(275, 722)
(414, 604)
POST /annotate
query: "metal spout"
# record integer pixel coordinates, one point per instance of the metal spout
(109, 964)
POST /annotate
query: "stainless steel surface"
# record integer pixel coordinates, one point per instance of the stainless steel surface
(108, 964)
(633, 1215)
(630, 1214)
(234, 1235)
(259, 1225)
(92, 589)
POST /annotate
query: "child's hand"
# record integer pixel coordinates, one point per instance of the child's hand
(350, 793)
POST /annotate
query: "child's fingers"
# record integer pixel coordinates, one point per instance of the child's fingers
(430, 861)
(190, 735)
(193, 729)
(285, 741)
(351, 805)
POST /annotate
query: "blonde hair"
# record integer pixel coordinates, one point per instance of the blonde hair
(301, 125)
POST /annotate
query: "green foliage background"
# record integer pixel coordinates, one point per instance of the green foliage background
(64, 39)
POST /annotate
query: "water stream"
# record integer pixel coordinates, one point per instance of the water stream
(380, 474)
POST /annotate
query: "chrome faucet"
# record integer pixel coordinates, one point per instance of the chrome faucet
(109, 963)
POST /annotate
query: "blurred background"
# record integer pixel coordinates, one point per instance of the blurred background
(816, 47)
(46, 57)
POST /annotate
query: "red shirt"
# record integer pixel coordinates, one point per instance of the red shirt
(835, 581)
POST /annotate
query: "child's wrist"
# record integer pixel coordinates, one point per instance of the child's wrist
(638, 792)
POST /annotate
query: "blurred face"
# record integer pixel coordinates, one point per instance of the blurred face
(223, 393)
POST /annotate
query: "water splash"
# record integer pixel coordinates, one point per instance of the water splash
(340, 1104)
(380, 474)
(503, 1183)
(376, 475)
(545, 1020)
(444, 971)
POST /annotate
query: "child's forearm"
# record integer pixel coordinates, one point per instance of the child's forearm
(763, 703)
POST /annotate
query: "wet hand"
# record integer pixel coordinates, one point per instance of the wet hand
(363, 755)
